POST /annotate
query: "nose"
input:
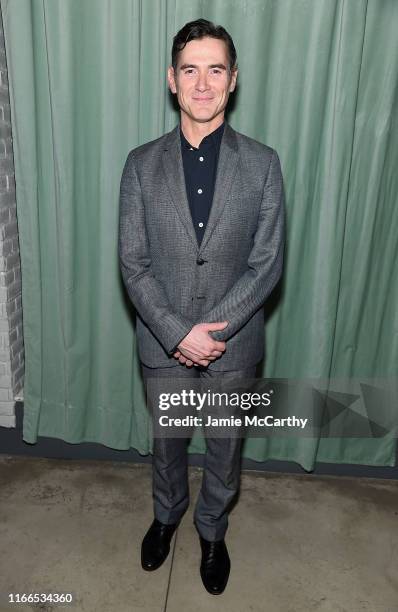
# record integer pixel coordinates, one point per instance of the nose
(201, 83)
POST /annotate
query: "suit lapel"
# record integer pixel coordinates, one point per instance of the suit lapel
(226, 171)
(174, 173)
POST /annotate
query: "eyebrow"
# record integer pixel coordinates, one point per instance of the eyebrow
(185, 66)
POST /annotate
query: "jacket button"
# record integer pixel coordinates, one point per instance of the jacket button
(200, 261)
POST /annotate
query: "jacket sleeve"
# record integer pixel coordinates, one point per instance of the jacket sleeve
(265, 261)
(144, 290)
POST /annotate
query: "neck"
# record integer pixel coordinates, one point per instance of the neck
(194, 131)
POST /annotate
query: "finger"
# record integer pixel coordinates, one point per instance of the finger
(204, 362)
(219, 346)
(211, 356)
(216, 354)
(216, 326)
(182, 359)
(197, 361)
(193, 356)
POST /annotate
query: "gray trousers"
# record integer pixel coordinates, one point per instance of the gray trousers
(221, 473)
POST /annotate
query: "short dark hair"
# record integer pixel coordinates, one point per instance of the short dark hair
(195, 30)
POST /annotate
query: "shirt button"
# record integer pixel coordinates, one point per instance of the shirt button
(200, 224)
(201, 158)
(200, 190)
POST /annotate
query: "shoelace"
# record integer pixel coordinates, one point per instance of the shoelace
(211, 553)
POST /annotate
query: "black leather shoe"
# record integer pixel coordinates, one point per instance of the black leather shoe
(156, 545)
(215, 565)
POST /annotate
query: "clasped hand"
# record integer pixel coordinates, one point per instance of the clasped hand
(198, 348)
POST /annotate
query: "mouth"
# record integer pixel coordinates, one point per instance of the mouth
(203, 100)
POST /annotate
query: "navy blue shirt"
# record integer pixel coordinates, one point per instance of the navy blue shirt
(200, 169)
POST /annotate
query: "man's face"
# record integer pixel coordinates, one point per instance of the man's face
(202, 80)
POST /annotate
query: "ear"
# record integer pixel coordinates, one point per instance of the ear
(234, 76)
(171, 79)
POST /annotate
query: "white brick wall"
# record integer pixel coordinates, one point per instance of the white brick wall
(11, 331)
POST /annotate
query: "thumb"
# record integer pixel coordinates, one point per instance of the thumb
(216, 326)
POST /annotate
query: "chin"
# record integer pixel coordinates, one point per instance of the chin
(203, 119)
(204, 116)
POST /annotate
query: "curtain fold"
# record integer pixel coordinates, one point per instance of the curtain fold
(318, 82)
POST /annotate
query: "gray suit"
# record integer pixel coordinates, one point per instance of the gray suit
(171, 280)
(174, 283)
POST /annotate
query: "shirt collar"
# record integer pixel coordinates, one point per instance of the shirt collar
(212, 139)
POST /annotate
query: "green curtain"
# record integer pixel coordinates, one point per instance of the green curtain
(318, 82)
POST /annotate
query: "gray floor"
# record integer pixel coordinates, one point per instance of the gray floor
(297, 543)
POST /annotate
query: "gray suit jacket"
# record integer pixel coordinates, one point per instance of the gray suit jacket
(171, 280)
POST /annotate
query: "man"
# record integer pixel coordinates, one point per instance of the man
(201, 247)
